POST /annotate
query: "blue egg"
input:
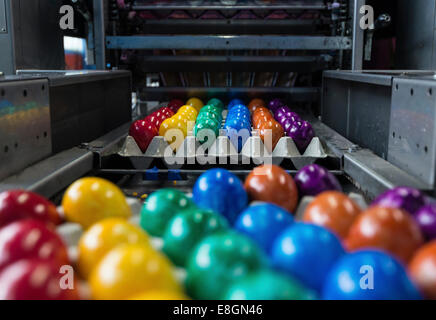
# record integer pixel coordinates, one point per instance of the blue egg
(220, 191)
(263, 223)
(234, 102)
(238, 136)
(369, 275)
(306, 252)
(239, 108)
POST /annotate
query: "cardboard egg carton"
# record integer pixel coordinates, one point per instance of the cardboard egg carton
(221, 152)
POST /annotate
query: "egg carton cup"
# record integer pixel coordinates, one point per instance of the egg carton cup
(222, 152)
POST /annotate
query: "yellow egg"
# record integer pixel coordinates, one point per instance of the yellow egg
(165, 126)
(196, 103)
(90, 200)
(159, 295)
(104, 236)
(129, 270)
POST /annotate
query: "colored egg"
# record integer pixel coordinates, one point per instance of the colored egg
(408, 199)
(196, 103)
(30, 239)
(165, 126)
(216, 102)
(175, 105)
(426, 219)
(20, 204)
(161, 206)
(307, 253)
(422, 269)
(263, 222)
(275, 104)
(234, 102)
(205, 130)
(104, 236)
(271, 132)
(131, 269)
(187, 229)
(270, 183)
(221, 191)
(334, 211)
(313, 179)
(256, 103)
(368, 275)
(90, 200)
(218, 261)
(302, 133)
(36, 280)
(159, 295)
(268, 285)
(143, 131)
(389, 229)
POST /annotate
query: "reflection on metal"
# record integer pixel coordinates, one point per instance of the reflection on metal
(229, 42)
(50, 176)
(412, 133)
(25, 131)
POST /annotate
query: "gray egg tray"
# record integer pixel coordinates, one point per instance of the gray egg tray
(221, 152)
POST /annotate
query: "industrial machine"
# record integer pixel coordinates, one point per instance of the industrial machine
(373, 130)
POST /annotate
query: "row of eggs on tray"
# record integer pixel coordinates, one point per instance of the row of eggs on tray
(176, 120)
(236, 241)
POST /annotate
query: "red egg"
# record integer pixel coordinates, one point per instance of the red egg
(422, 269)
(36, 280)
(389, 229)
(143, 131)
(175, 105)
(270, 183)
(20, 204)
(332, 210)
(30, 239)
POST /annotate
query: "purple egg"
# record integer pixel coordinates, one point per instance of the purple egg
(302, 134)
(275, 104)
(408, 199)
(285, 123)
(314, 179)
(426, 218)
(282, 111)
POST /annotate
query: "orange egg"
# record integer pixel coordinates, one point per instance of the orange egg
(422, 269)
(270, 132)
(389, 229)
(255, 103)
(270, 183)
(332, 210)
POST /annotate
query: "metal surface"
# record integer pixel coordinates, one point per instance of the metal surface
(215, 42)
(50, 176)
(3, 21)
(99, 34)
(303, 94)
(358, 34)
(251, 5)
(7, 54)
(416, 36)
(230, 26)
(25, 131)
(373, 175)
(358, 106)
(412, 138)
(85, 105)
(233, 63)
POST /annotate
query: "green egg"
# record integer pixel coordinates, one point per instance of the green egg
(187, 229)
(161, 206)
